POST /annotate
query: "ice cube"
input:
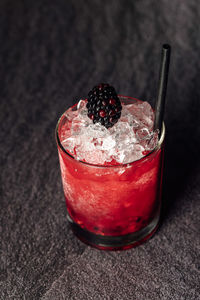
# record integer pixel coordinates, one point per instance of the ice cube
(92, 157)
(108, 143)
(119, 156)
(81, 105)
(142, 113)
(70, 143)
(76, 126)
(124, 135)
(71, 114)
(95, 131)
(152, 141)
(83, 112)
(130, 154)
(146, 109)
(143, 134)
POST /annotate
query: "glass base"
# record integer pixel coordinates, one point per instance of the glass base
(123, 242)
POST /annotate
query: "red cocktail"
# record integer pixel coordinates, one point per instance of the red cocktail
(114, 204)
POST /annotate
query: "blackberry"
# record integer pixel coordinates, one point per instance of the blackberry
(103, 105)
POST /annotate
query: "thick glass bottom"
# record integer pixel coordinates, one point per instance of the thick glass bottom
(123, 242)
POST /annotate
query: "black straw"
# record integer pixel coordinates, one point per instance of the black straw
(162, 87)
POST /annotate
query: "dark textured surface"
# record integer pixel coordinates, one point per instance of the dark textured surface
(52, 53)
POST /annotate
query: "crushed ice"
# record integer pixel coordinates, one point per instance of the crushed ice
(127, 141)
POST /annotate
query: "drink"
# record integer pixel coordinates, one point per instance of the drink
(111, 176)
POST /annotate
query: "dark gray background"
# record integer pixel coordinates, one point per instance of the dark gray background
(51, 54)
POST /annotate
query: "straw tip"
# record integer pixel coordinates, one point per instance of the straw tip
(166, 47)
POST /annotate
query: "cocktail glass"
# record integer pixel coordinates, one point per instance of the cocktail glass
(112, 207)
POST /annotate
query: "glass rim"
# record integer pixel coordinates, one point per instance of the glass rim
(160, 142)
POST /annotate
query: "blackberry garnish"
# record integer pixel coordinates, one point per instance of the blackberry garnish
(103, 105)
